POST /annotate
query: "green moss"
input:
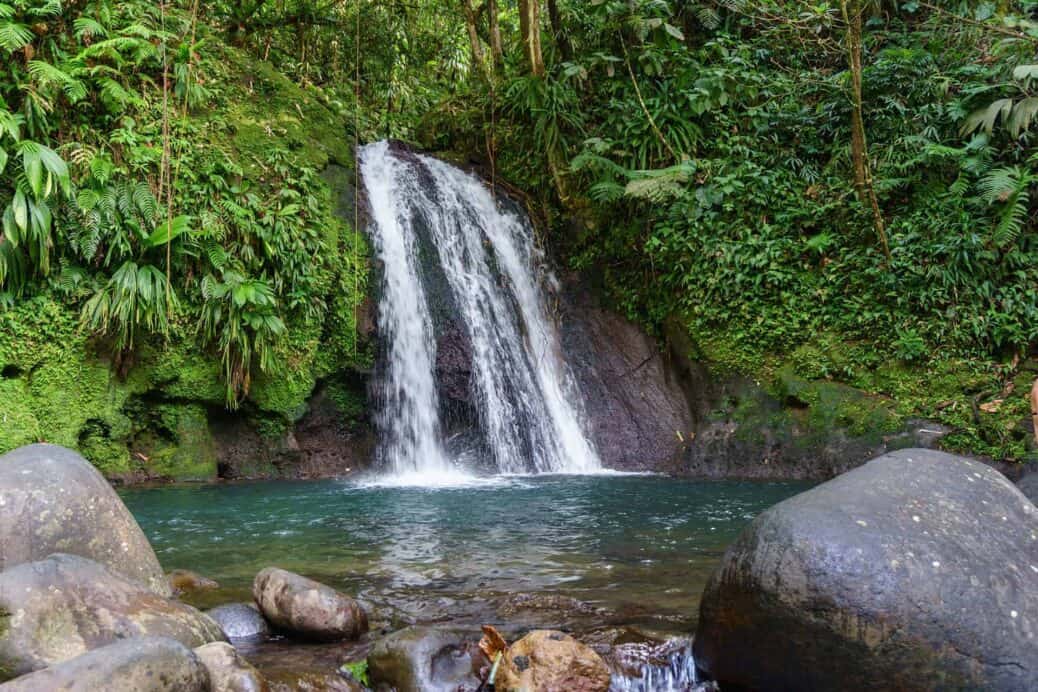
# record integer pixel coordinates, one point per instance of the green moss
(191, 454)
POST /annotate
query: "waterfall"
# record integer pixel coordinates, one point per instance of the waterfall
(450, 251)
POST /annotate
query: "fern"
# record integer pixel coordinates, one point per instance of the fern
(1009, 186)
(14, 36)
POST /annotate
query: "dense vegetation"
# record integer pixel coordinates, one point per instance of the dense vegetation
(810, 191)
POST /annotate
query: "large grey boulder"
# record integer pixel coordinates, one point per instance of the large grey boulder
(307, 608)
(61, 607)
(53, 501)
(917, 571)
(147, 664)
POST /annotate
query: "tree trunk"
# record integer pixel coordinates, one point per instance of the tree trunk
(497, 53)
(478, 62)
(530, 29)
(555, 18)
(863, 183)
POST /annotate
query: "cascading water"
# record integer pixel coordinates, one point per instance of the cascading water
(429, 217)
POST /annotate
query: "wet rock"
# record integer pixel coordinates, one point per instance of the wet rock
(552, 661)
(315, 682)
(240, 621)
(421, 659)
(229, 672)
(66, 605)
(917, 571)
(307, 608)
(146, 664)
(183, 581)
(53, 501)
(549, 610)
(635, 402)
(1028, 485)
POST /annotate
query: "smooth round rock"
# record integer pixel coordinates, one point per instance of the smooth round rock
(66, 605)
(916, 571)
(229, 672)
(420, 659)
(307, 608)
(53, 501)
(240, 621)
(147, 664)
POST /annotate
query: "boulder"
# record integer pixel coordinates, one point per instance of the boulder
(240, 621)
(184, 581)
(417, 659)
(53, 501)
(1028, 485)
(307, 608)
(550, 661)
(917, 571)
(146, 664)
(229, 672)
(66, 605)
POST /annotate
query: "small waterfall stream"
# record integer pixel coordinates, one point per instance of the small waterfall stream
(433, 222)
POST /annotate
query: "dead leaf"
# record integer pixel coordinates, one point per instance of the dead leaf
(492, 642)
(991, 406)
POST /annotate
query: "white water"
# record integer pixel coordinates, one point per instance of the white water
(527, 405)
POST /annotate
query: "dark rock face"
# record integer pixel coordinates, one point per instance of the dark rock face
(66, 605)
(146, 664)
(324, 443)
(426, 659)
(635, 402)
(240, 621)
(52, 501)
(454, 375)
(307, 608)
(917, 571)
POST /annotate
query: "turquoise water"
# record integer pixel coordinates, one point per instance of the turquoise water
(633, 550)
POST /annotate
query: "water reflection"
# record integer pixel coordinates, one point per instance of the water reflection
(639, 548)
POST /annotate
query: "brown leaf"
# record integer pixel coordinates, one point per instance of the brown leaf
(492, 642)
(991, 406)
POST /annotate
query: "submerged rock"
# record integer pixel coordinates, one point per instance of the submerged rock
(917, 571)
(182, 581)
(229, 672)
(426, 659)
(307, 608)
(145, 664)
(546, 660)
(53, 501)
(66, 605)
(240, 621)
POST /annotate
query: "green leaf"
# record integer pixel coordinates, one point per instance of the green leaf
(674, 31)
(20, 207)
(168, 231)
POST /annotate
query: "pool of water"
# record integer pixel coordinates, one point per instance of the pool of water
(555, 551)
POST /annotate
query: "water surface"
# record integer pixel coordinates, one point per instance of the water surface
(635, 550)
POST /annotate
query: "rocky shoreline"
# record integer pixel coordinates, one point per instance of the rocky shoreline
(916, 571)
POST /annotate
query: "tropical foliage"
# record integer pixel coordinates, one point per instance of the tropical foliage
(846, 186)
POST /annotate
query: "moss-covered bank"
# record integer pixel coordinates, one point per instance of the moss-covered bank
(160, 410)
